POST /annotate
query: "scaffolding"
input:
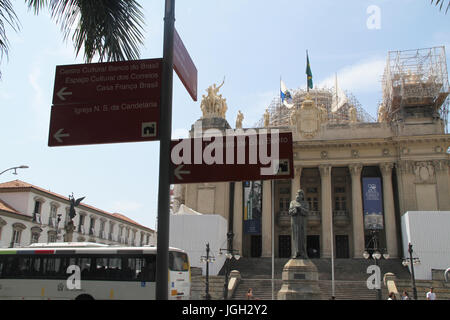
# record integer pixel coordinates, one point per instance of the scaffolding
(323, 97)
(416, 79)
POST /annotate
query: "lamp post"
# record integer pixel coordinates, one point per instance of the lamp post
(15, 169)
(376, 254)
(207, 259)
(230, 254)
(411, 261)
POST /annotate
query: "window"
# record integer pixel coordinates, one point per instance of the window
(178, 261)
(340, 203)
(35, 237)
(102, 229)
(92, 226)
(52, 236)
(52, 217)
(37, 212)
(81, 223)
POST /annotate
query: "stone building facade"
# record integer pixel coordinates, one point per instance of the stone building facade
(29, 214)
(408, 155)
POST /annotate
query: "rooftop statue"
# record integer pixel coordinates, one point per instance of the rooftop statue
(266, 118)
(239, 119)
(214, 105)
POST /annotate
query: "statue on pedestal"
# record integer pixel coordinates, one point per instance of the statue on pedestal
(298, 210)
(70, 227)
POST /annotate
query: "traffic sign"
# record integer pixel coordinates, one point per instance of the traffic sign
(232, 158)
(107, 82)
(90, 123)
(184, 66)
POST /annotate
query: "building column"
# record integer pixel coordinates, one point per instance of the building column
(266, 228)
(295, 183)
(327, 210)
(238, 218)
(442, 168)
(357, 211)
(389, 210)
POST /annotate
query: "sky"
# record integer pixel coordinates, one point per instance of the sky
(252, 43)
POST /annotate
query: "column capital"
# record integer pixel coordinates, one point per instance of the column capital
(298, 171)
(405, 166)
(386, 168)
(325, 170)
(441, 165)
(355, 169)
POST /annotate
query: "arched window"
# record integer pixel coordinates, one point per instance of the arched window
(35, 234)
(17, 234)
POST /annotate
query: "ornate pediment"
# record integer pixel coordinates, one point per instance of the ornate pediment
(308, 119)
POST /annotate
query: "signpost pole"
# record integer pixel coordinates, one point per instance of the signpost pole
(162, 258)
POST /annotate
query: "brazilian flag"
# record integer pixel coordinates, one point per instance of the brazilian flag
(308, 72)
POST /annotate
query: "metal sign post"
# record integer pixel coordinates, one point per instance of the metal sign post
(162, 258)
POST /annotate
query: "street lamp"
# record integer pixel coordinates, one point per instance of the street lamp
(208, 260)
(406, 262)
(15, 169)
(230, 254)
(376, 254)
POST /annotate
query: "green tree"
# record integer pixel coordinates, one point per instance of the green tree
(109, 29)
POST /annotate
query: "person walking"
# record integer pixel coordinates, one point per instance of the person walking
(250, 294)
(405, 295)
(431, 295)
(392, 296)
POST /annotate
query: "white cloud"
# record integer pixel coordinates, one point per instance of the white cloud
(362, 77)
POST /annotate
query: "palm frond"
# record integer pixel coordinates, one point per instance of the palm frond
(441, 3)
(7, 17)
(111, 29)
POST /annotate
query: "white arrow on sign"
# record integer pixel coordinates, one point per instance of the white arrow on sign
(61, 93)
(58, 135)
(178, 172)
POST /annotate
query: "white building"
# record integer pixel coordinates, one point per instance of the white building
(29, 214)
(428, 232)
(191, 231)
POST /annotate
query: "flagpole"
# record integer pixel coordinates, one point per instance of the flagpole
(307, 85)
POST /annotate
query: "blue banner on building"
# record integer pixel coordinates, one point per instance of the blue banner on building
(372, 203)
(252, 207)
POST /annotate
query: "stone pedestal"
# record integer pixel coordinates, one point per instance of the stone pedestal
(300, 281)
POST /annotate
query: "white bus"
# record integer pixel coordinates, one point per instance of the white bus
(85, 271)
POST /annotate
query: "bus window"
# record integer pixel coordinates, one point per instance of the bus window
(178, 261)
(85, 267)
(149, 269)
(51, 266)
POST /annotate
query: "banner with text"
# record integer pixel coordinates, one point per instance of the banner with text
(373, 203)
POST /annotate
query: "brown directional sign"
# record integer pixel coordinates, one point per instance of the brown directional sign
(106, 103)
(236, 158)
(88, 123)
(107, 82)
(184, 67)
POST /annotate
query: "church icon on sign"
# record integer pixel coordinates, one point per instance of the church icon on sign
(148, 129)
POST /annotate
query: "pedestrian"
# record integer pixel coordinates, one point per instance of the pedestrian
(431, 295)
(250, 294)
(392, 296)
(405, 295)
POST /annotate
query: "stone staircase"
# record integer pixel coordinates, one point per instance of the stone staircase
(350, 277)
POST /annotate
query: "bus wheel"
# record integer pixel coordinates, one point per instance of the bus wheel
(84, 297)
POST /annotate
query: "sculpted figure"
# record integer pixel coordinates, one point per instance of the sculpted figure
(352, 114)
(266, 118)
(239, 119)
(298, 210)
